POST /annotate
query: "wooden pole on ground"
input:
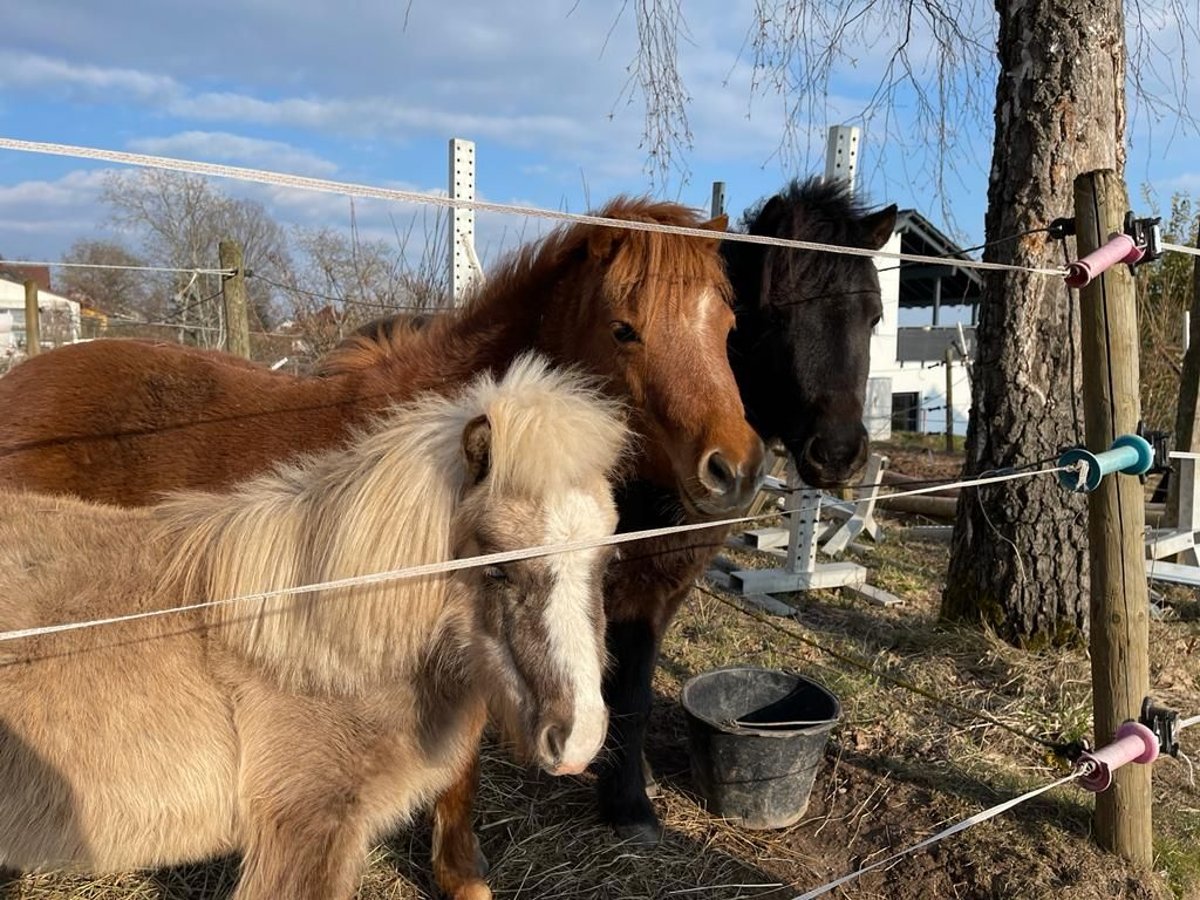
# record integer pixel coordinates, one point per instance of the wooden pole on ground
(233, 297)
(1116, 517)
(33, 321)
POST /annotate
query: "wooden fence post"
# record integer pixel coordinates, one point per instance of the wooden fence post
(1116, 517)
(33, 321)
(233, 298)
(949, 398)
(1187, 422)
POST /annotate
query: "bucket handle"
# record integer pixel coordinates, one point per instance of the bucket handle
(739, 723)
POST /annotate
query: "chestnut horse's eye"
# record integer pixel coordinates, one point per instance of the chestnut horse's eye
(495, 574)
(625, 333)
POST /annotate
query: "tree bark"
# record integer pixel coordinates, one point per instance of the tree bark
(1019, 558)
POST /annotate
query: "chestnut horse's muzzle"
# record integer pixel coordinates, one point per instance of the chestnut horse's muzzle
(729, 487)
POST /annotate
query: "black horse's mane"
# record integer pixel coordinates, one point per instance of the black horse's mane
(810, 206)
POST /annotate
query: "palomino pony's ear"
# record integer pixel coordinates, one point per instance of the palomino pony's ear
(877, 228)
(477, 449)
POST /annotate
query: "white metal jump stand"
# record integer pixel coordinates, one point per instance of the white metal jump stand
(799, 541)
(1181, 537)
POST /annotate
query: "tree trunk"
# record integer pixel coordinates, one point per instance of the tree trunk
(1019, 559)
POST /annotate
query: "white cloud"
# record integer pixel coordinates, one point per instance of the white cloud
(41, 218)
(222, 146)
(27, 70)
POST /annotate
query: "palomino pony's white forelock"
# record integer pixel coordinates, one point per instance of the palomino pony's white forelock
(550, 429)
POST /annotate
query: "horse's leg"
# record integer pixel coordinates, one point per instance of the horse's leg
(621, 789)
(459, 865)
(8, 883)
(307, 855)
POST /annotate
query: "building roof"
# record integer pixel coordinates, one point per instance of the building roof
(21, 274)
(959, 286)
(12, 296)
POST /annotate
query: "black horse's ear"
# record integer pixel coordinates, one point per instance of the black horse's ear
(768, 219)
(477, 449)
(878, 228)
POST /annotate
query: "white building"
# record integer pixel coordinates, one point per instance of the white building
(926, 308)
(59, 317)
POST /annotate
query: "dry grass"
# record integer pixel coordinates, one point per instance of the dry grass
(897, 769)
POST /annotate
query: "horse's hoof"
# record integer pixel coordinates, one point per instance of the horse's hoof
(652, 788)
(473, 890)
(640, 834)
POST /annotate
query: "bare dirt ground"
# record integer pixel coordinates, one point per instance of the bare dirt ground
(897, 769)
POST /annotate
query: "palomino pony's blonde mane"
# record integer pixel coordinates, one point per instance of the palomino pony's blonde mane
(632, 278)
(401, 479)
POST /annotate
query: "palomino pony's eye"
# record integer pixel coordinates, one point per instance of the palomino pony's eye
(625, 333)
(495, 574)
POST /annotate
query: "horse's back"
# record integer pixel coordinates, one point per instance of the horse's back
(125, 421)
(63, 559)
(75, 703)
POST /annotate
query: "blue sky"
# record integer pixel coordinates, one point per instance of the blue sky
(371, 91)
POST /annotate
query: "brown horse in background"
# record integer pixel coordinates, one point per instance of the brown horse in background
(297, 729)
(125, 421)
(649, 313)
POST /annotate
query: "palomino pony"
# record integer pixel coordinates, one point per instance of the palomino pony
(800, 355)
(649, 313)
(296, 729)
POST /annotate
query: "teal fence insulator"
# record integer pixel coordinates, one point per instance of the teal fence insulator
(1130, 454)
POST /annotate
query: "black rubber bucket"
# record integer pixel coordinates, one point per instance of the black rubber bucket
(757, 738)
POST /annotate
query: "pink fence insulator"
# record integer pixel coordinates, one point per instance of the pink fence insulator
(1119, 248)
(1134, 743)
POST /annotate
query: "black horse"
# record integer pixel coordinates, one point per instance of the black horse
(800, 352)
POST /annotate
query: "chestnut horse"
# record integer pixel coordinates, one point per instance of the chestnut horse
(297, 729)
(800, 355)
(649, 313)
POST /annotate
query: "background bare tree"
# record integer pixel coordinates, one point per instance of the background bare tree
(178, 220)
(117, 291)
(343, 280)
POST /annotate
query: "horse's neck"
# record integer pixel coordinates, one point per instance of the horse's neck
(505, 320)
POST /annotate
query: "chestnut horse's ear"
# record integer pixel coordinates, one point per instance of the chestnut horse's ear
(477, 449)
(720, 223)
(878, 228)
(602, 242)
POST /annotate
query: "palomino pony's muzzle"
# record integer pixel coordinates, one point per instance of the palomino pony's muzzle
(567, 746)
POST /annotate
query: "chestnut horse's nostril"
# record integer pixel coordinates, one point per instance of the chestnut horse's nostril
(553, 742)
(717, 474)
